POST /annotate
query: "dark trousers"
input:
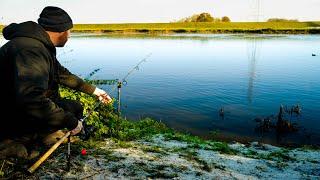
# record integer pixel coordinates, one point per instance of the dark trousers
(71, 106)
(68, 105)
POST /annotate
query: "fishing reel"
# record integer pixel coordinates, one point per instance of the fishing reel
(87, 130)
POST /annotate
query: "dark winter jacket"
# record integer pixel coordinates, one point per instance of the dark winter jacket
(30, 74)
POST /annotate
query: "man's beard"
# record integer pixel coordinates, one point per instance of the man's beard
(62, 41)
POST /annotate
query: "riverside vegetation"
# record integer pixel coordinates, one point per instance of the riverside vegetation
(204, 27)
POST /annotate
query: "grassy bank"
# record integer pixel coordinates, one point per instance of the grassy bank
(168, 155)
(233, 27)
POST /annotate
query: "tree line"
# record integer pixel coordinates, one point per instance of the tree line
(204, 17)
(207, 17)
(281, 20)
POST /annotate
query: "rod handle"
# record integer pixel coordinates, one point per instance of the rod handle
(48, 153)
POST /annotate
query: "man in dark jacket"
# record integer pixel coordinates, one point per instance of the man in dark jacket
(30, 75)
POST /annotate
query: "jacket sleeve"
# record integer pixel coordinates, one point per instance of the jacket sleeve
(32, 77)
(72, 81)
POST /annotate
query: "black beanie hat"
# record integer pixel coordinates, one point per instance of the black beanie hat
(55, 19)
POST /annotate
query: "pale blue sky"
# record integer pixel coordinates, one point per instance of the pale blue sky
(132, 11)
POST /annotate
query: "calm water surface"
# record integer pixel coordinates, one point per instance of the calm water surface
(189, 78)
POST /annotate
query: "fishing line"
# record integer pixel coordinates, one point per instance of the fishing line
(118, 85)
(64, 52)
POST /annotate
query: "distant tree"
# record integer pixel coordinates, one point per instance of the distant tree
(217, 19)
(225, 19)
(281, 20)
(204, 17)
(193, 18)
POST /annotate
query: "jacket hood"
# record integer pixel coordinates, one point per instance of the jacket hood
(28, 29)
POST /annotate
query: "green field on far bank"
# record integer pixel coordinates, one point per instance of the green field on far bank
(233, 27)
(218, 27)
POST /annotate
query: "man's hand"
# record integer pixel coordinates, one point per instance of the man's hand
(77, 129)
(102, 95)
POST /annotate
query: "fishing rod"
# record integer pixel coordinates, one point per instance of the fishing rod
(124, 81)
(86, 130)
(68, 134)
(135, 68)
(119, 85)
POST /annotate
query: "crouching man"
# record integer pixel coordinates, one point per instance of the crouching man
(30, 75)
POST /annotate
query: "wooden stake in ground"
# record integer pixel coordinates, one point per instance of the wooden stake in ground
(48, 153)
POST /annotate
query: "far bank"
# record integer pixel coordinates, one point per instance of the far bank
(218, 27)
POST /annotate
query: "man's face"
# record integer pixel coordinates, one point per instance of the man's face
(63, 38)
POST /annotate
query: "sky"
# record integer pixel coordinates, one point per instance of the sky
(136, 11)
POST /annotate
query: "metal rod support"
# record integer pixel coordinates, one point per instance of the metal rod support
(69, 154)
(119, 98)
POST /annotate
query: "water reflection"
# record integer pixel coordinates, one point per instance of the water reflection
(253, 48)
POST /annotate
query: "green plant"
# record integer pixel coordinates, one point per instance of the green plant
(184, 137)
(281, 155)
(222, 147)
(251, 153)
(192, 155)
(154, 149)
(107, 124)
(99, 117)
(124, 144)
(130, 130)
